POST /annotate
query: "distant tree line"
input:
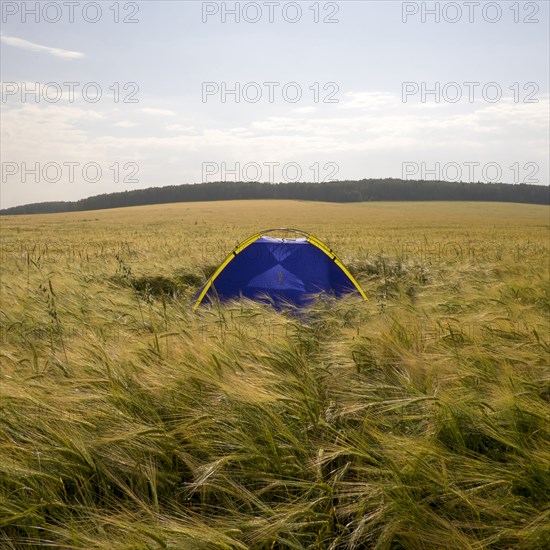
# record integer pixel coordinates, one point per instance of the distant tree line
(338, 191)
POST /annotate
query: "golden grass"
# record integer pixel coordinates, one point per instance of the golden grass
(417, 420)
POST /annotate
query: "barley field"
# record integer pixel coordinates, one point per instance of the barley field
(417, 420)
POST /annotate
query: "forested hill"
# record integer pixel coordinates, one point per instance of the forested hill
(338, 191)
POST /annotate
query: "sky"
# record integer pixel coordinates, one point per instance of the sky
(110, 96)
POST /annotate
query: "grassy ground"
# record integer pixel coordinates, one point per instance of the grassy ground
(417, 420)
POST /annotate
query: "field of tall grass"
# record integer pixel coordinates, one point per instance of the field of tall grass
(417, 420)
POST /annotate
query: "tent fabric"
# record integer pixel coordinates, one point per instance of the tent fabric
(280, 271)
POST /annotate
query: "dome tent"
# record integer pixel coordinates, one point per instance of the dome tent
(279, 271)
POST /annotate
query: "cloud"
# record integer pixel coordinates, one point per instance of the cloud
(304, 110)
(157, 112)
(179, 128)
(33, 47)
(364, 143)
(126, 124)
(43, 133)
(369, 100)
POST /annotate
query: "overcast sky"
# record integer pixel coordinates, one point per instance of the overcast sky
(328, 90)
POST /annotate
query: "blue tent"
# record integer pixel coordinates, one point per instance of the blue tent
(279, 270)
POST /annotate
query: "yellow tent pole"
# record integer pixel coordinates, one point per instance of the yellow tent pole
(239, 248)
(322, 246)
